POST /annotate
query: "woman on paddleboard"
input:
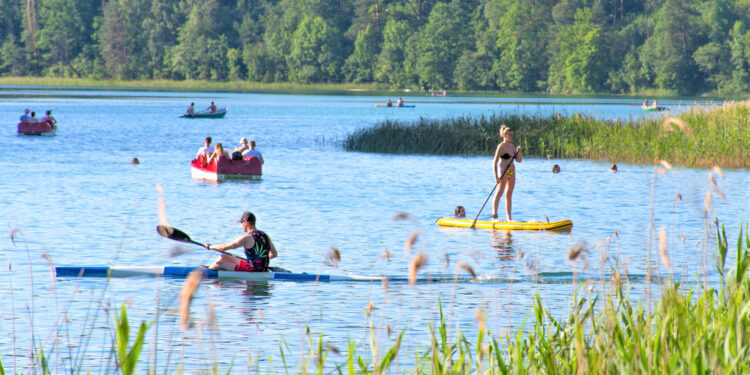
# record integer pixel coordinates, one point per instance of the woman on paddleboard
(505, 171)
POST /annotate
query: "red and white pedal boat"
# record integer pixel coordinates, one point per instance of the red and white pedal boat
(226, 169)
(37, 128)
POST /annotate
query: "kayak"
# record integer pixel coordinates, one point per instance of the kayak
(220, 113)
(654, 109)
(501, 225)
(394, 106)
(181, 272)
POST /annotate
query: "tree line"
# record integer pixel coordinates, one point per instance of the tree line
(579, 46)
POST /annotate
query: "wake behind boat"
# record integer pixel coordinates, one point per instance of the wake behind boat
(181, 272)
(505, 225)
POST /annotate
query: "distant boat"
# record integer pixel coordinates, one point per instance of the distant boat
(654, 109)
(37, 128)
(394, 106)
(220, 113)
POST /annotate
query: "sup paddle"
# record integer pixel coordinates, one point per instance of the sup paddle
(178, 235)
(473, 225)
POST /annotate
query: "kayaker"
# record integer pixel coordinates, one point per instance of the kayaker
(191, 109)
(389, 103)
(218, 152)
(505, 171)
(646, 103)
(460, 211)
(25, 117)
(259, 249)
(400, 102)
(253, 152)
(207, 149)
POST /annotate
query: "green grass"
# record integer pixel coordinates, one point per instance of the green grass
(698, 137)
(187, 84)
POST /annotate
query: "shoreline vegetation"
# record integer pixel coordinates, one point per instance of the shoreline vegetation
(695, 328)
(702, 136)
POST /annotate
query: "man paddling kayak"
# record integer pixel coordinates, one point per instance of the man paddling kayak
(258, 249)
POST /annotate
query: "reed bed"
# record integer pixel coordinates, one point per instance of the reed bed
(702, 136)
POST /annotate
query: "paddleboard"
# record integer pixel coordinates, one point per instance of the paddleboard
(503, 225)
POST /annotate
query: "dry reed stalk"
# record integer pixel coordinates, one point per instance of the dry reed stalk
(467, 268)
(370, 307)
(410, 242)
(666, 164)
(333, 258)
(673, 122)
(186, 296)
(13, 235)
(663, 248)
(716, 186)
(707, 203)
(386, 255)
(416, 263)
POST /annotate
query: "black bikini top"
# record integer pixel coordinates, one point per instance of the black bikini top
(505, 156)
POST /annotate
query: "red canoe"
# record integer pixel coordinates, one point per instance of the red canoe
(36, 128)
(226, 169)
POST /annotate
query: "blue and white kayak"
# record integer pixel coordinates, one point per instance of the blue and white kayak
(181, 272)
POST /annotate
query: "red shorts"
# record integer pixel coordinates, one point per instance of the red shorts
(243, 267)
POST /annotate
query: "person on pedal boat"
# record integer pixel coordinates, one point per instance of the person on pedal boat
(259, 249)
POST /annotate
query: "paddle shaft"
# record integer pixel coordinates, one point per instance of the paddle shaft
(180, 236)
(473, 225)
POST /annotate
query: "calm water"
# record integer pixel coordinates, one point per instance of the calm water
(74, 199)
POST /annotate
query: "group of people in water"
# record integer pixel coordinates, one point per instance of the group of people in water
(32, 119)
(211, 109)
(245, 150)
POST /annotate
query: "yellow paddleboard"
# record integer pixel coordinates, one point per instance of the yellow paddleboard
(507, 225)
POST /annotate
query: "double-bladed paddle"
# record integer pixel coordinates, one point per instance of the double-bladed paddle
(178, 235)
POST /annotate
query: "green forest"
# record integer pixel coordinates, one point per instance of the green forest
(683, 47)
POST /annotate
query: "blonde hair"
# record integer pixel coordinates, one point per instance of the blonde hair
(503, 129)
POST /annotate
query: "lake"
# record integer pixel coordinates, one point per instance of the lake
(75, 199)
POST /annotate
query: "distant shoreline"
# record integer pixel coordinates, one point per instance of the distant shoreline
(352, 88)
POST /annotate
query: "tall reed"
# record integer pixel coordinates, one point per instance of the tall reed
(701, 136)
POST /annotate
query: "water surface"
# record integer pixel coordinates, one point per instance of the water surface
(75, 199)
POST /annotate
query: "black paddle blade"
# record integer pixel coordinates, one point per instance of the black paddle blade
(173, 233)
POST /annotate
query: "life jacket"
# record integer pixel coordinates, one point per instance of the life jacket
(257, 256)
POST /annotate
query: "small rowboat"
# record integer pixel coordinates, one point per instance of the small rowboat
(654, 109)
(508, 225)
(37, 128)
(394, 106)
(226, 169)
(220, 113)
(181, 272)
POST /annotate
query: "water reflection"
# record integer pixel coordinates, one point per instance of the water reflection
(502, 241)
